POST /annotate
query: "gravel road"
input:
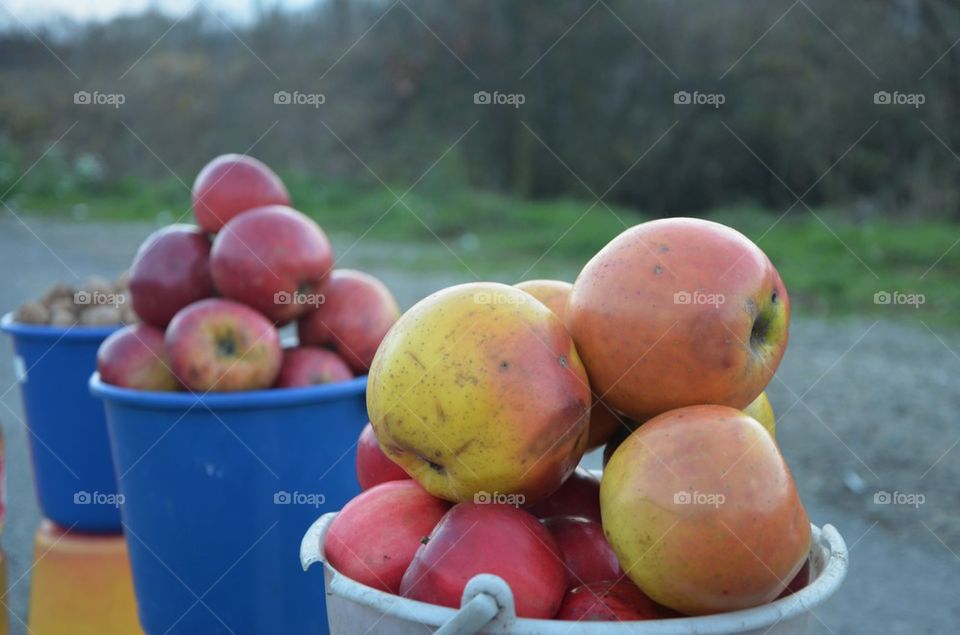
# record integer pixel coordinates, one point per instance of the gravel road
(863, 408)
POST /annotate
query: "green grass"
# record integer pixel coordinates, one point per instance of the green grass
(498, 237)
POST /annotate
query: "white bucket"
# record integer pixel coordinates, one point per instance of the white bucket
(487, 603)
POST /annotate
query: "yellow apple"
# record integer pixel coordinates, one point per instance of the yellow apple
(479, 390)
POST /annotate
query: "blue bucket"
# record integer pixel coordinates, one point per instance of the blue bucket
(217, 492)
(72, 467)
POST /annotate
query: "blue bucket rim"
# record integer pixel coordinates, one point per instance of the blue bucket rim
(48, 332)
(249, 399)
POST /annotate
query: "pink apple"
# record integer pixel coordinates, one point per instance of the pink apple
(373, 466)
(221, 345)
(499, 539)
(170, 271)
(586, 553)
(309, 366)
(578, 496)
(357, 312)
(274, 259)
(231, 184)
(377, 534)
(134, 357)
(611, 601)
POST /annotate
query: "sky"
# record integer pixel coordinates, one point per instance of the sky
(33, 12)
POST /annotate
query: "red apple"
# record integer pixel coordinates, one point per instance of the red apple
(498, 539)
(221, 345)
(586, 553)
(578, 496)
(610, 601)
(678, 312)
(801, 580)
(231, 184)
(309, 366)
(377, 534)
(170, 271)
(134, 357)
(357, 312)
(373, 466)
(274, 259)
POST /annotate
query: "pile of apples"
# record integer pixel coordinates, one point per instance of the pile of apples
(484, 397)
(211, 297)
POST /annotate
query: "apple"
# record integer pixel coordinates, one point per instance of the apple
(356, 313)
(373, 466)
(309, 366)
(761, 410)
(702, 511)
(222, 345)
(231, 184)
(274, 259)
(553, 293)
(587, 555)
(478, 389)
(374, 538)
(615, 600)
(498, 539)
(170, 271)
(578, 496)
(604, 424)
(800, 581)
(134, 357)
(677, 312)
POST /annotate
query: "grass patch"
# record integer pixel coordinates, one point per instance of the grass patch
(831, 265)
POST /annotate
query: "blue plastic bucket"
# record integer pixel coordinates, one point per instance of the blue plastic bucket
(218, 490)
(72, 467)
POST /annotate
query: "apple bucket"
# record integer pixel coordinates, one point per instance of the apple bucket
(218, 489)
(73, 472)
(488, 605)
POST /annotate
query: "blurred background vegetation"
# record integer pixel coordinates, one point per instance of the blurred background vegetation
(848, 196)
